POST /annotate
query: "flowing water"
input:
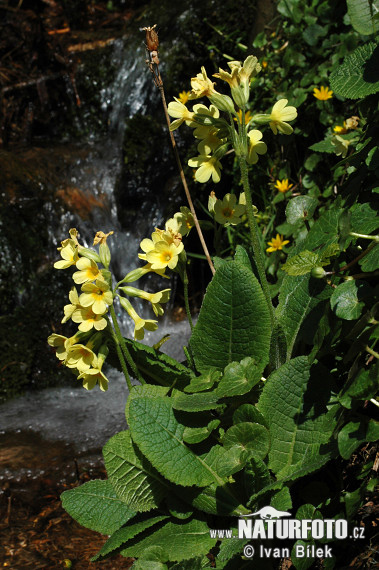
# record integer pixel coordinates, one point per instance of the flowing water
(43, 431)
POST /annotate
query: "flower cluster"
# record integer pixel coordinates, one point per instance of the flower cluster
(214, 133)
(85, 352)
(227, 211)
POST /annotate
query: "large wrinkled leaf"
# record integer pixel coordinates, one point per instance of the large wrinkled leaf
(159, 436)
(122, 535)
(347, 297)
(299, 421)
(248, 436)
(358, 76)
(234, 320)
(361, 14)
(95, 505)
(298, 297)
(179, 540)
(133, 478)
(300, 208)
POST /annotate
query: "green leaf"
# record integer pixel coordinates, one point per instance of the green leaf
(371, 261)
(234, 320)
(324, 231)
(215, 500)
(239, 378)
(301, 562)
(298, 422)
(281, 500)
(361, 15)
(323, 146)
(146, 390)
(155, 366)
(159, 436)
(358, 75)
(195, 402)
(225, 461)
(298, 297)
(180, 540)
(365, 219)
(300, 208)
(149, 564)
(249, 413)
(203, 382)
(248, 436)
(302, 263)
(122, 535)
(361, 385)
(198, 434)
(95, 505)
(313, 33)
(133, 478)
(346, 299)
(354, 433)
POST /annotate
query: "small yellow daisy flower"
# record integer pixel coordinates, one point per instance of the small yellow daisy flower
(276, 243)
(282, 185)
(340, 130)
(322, 94)
(184, 97)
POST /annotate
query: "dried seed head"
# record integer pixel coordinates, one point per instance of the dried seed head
(152, 42)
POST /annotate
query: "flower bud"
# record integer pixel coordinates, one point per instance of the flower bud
(88, 253)
(105, 254)
(222, 102)
(318, 272)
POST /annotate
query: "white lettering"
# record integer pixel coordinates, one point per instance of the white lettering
(299, 551)
(340, 528)
(305, 528)
(317, 528)
(244, 528)
(259, 530)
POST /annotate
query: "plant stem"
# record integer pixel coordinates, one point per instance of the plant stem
(123, 346)
(254, 235)
(186, 301)
(364, 236)
(121, 357)
(370, 351)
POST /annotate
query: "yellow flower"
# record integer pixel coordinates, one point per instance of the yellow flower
(154, 298)
(341, 145)
(62, 343)
(208, 166)
(279, 115)
(239, 78)
(277, 243)
(92, 377)
(69, 309)
(149, 244)
(226, 211)
(185, 220)
(256, 146)
(201, 85)
(282, 185)
(139, 323)
(322, 94)
(80, 357)
(88, 319)
(340, 130)
(69, 253)
(88, 271)
(164, 255)
(97, 296)
(177, 110)
(183, 97)
(264, 64)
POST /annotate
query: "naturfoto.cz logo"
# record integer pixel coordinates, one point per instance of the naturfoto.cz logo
(274, 524)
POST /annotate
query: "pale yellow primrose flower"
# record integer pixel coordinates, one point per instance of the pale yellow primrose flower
(164, 255)
(276, 243)
(97, 296)
(341, 146)
(256, 146)
(239, 78)
(154, 298)
(226, 211)
(322, 94)
(88, 319)
(69, 309)
(201, 85)
(279, 115)
(208, 166)
(92, 377)
(80, 357)
(62, 343)
(177, 110)
(185, 220)
(69, 254)
(282, 185)
(88, 271)
(139, 323)
(149, 244)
